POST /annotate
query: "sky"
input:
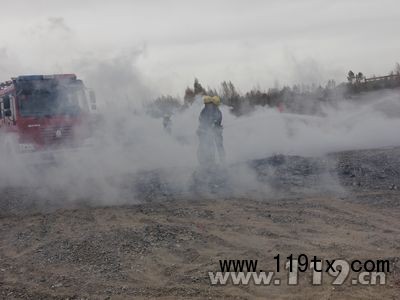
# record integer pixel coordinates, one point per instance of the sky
(163, 45)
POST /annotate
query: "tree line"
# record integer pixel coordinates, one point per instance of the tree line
(299, 98)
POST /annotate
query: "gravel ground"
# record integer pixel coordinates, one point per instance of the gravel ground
(344, 205)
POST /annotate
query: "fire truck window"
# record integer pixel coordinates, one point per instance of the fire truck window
(6, 102)
(49, 102)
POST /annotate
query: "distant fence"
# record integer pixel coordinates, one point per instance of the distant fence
(394, 77)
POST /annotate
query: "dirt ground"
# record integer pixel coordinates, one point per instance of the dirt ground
(165, 249)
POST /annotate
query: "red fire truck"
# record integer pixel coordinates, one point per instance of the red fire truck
(42, 112)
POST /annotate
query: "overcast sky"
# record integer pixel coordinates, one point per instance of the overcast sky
(168, 43)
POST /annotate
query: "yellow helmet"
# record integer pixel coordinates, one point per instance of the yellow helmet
(216, 100)
(208, 99)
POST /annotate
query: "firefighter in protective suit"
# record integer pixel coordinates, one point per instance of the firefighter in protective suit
(210, 133)
(167, 123)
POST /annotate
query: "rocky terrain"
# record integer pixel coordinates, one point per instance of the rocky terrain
(163, 244)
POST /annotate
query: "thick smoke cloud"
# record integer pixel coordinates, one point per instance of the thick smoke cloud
(130, 148)
(130, 145)
(117, 79)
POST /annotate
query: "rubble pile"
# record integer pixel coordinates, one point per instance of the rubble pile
(369, 169)
(284, 175)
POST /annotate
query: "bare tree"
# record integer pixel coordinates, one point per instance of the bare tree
(230, 96)
(351, 77)
(198, 89)
(188, 99)
(359, 77)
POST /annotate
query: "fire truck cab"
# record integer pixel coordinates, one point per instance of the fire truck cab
(41, 112)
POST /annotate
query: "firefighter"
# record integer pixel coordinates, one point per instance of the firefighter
(167, 123)
(210, 133)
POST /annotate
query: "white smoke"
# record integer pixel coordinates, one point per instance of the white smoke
(130, 143)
